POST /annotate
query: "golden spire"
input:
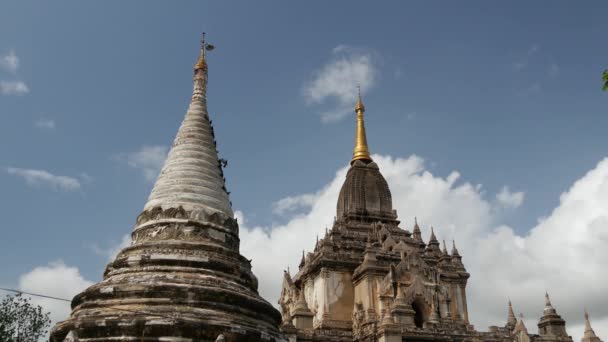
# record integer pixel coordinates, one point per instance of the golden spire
(361, 151)
(201, 63)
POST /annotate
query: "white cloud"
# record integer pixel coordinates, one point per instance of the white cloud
(86, 178)
(292, 203)
(149, 159)
(510, 199)
(565, 253)
(111, 252)
(57, 280)
(42, 177)
(45, 123)
(338, 79)
(13, 88)
(9, 62)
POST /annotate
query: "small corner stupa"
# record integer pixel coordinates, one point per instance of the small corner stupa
(182, 278)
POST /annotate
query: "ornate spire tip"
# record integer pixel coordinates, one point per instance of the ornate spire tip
(201, 63)
(361, 151)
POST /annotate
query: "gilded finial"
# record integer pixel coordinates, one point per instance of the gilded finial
(359, 105)
(201, 63)
(361, 151)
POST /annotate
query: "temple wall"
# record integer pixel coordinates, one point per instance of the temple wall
(333, 296)
(366, 293)
(459, 301)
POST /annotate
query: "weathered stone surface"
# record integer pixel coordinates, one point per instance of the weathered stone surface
(368, 279)
(182, 278)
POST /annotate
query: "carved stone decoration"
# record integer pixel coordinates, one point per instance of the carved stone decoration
(183, 277)
(397, 288)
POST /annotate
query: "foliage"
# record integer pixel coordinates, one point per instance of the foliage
(22, 321)
(605, 78)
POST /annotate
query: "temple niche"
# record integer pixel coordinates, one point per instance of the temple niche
(370, 279)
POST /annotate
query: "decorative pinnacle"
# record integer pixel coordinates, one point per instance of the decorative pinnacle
(511, 315)
(433, 238)
(361, 151)
(454, 250)
(359, 105)
(201, 63)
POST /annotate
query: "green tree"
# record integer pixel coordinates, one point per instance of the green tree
(605, 78)
(22, 321)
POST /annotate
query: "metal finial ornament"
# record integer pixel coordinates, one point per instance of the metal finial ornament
(361, 151)
(201, 63)
(205, 45)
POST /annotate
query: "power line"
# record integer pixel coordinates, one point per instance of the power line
(36, 295)
(111, 307)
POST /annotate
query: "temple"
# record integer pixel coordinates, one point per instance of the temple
(368, 279)
(182, 278)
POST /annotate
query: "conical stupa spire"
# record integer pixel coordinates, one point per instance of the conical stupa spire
(520, 326)
(589, 335)
(303, 260)
(416, 233)
(183, 266)
(511, 320)
(192, 177)
(361, 151)
(550, 323)
(549, 309)
(433, 238)
(454, 249)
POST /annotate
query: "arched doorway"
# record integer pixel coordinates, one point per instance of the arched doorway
(419, 315)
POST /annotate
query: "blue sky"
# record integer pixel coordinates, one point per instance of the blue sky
(507, 94)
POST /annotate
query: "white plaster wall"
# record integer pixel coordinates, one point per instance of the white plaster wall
(333, 294)
(460, 302)
(366, 292)
(319, 302)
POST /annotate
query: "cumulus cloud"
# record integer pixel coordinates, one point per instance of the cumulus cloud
(510, 199)
(13, 88)
(563, 253)
(45, 123)
(149, 159)
(55, 279)
(9, 62)
(42, 177)
(289, 204)
(336, 82)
